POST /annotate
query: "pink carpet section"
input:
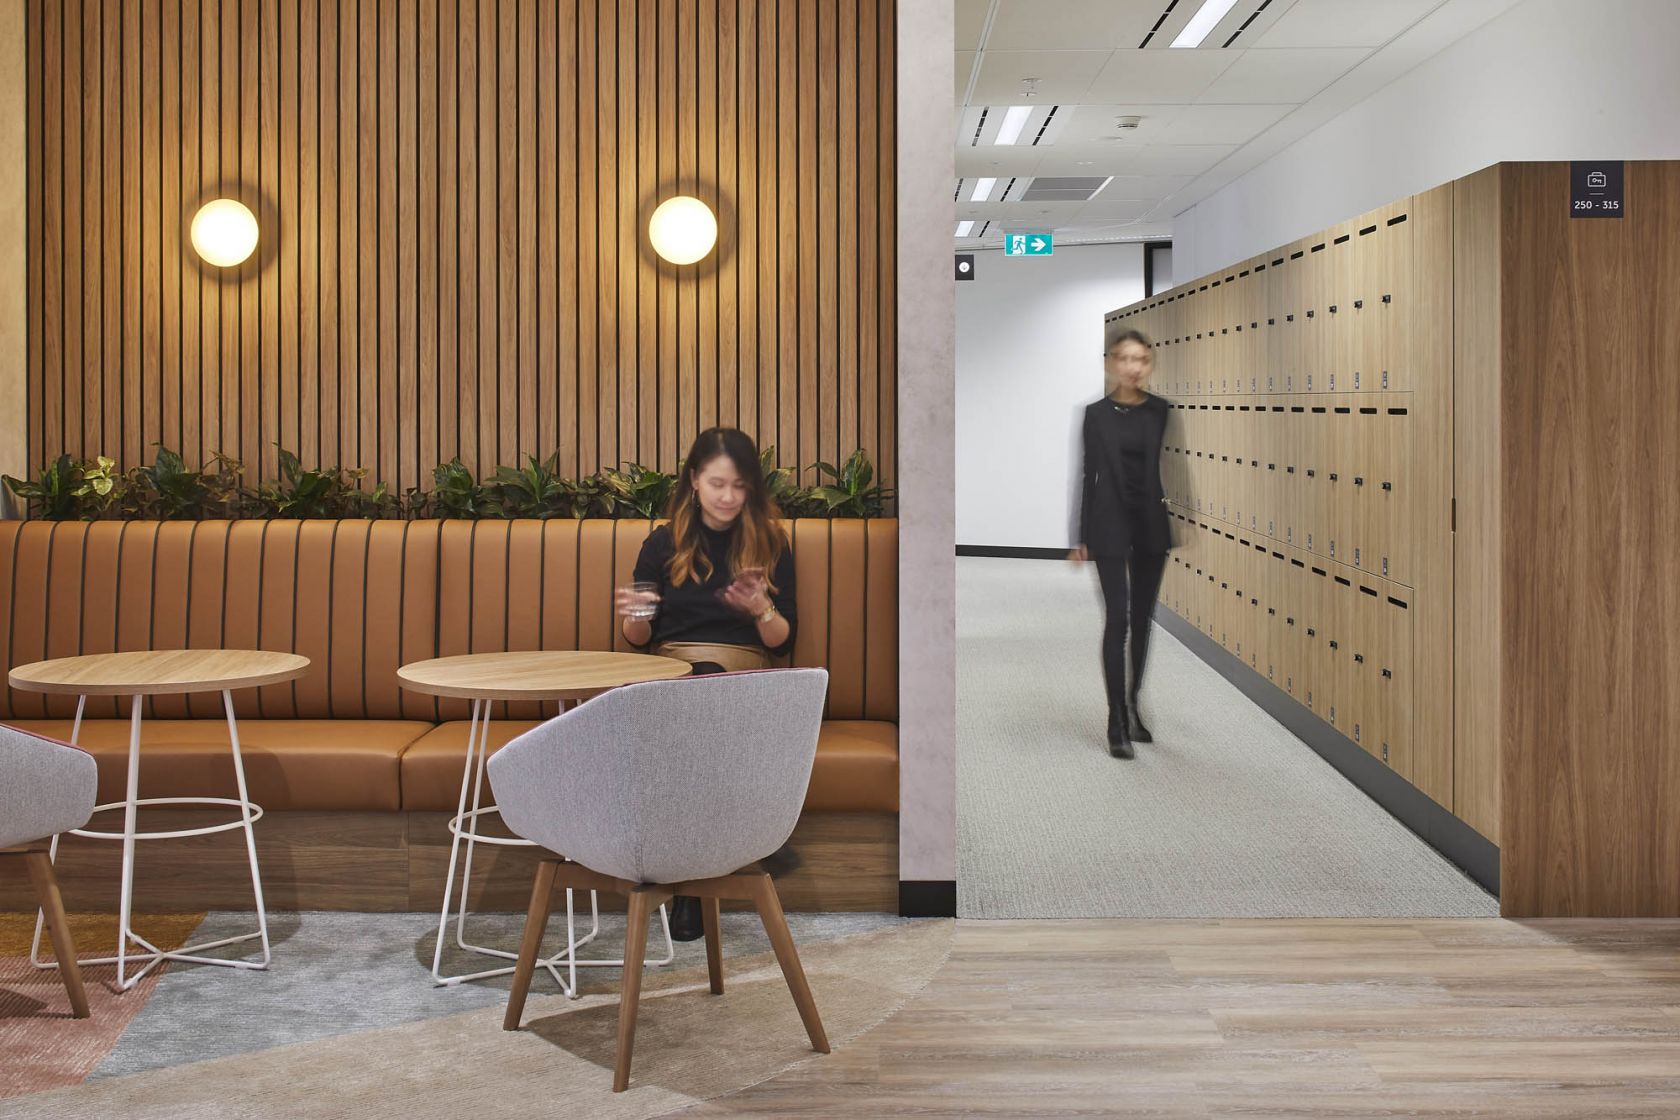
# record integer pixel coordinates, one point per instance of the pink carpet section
(44, 1047)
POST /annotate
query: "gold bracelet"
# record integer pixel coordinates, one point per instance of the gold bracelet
(768, 615)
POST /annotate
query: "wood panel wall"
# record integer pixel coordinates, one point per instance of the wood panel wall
(1590, 542)
(453, 197)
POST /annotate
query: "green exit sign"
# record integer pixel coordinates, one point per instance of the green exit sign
(1028, 245)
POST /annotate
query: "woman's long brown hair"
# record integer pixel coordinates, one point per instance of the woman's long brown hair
(759, 539)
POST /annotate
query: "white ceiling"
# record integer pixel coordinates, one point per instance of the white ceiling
(1209, 114)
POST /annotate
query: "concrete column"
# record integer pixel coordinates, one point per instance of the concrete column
(927, 610)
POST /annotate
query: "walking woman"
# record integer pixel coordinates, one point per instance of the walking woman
(715, 586)
(1123, 523)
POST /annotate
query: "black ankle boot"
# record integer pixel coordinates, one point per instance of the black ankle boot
(1119, 739)
(1139, 733)
(686, 921)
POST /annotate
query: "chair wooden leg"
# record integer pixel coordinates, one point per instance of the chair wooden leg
(713, 920)
(643, 902)
(769, 906)
(536, 919)
(52, 905)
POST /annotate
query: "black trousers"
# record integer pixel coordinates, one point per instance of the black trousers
(1129, 587)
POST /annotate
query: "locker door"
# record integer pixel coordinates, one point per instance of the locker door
(1395, 304)
(1338, 309)
(1290, 653)
(1399, 697)
(1401, 516)
(1338, 489)
(1315, 343)
(1315, 666)
(1366, 465)
(1338, 657)
(1366, 638)
(1292, 477)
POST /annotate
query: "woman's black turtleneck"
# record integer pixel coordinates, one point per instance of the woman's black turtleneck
(693, 612)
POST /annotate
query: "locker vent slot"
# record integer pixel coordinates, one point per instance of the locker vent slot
(1401, 603)
(1244, 540)
(1317, 571)
(1277, 408)
(1277, 556)
(1344, 581)
(1318, 408)
(1277, 263)
(1367, 229)
(1367, 412)
(1397, 412)
(1342, 410)
(1243, 273)
(1319, 248)
(1397, 220)
(1371, 591)
(1344, 237)
(1297, 254)
(1297, 563)
(1257, 268)
(1297, 408)
(1216, 283)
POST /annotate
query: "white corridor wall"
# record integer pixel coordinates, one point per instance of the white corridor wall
(1029, 357)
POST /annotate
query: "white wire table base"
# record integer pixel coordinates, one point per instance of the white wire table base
(464, 826)
(249, 814)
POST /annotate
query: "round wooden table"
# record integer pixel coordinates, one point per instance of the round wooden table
(543, 675)
(138, 674)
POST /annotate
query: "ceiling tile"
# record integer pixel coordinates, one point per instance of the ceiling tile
(1281, 76)
(963, 70)
(1103, 208)
(1087, 124)
(1063, 76)
(1164, 77)
(1070, 25)
(1221, 124)
(1344, 23)
(971, 20)
(1177, 159)
(1000, 162)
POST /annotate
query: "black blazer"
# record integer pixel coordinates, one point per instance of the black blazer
(1105, 528)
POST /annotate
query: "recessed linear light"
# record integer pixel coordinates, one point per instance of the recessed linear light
(982, 189)
(1201, 24)
(963, 228)
(1013, 122)
(1100, 189)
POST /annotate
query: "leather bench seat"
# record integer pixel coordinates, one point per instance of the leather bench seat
(338, 764)
(856, 768)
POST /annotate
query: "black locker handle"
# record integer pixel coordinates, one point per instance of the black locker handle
(1388, 486)
(1388, 674)
(1332, 309)
(1334, 644)
(1311, 633)
(1359, 659)
(1359, 480)
(1333, 476)
(1358, 303)
(1388, 298)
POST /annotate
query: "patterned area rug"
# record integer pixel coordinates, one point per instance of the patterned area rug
(45, 1048)
(347, 1023)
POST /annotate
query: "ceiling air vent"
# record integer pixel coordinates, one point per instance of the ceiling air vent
(1063, 188)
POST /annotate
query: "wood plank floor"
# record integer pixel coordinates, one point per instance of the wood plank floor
(1331, 1018)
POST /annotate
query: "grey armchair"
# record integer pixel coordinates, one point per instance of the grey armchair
(46, 788)
(673, 787)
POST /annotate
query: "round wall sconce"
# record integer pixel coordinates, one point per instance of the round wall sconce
(224, 232)
(683, 229)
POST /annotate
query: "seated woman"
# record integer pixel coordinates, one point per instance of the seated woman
(722, 570)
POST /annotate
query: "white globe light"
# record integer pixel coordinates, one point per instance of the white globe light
(683, 229)
(224, 232)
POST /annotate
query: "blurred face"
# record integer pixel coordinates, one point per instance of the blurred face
(1128, 367)
(721, 490)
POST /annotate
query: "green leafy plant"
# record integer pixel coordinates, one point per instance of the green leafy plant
(327, 493)
(849, 492)
(591, 497)
(100, 486)
(169, 491)
(456, 494)
(534, 490)
(639, 491)
(52, 496)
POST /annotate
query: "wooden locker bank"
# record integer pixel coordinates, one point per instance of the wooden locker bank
(1425, 473)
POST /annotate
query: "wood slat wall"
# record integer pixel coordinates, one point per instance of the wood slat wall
(453, 197)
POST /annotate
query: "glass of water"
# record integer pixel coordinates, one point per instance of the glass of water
(644, 599)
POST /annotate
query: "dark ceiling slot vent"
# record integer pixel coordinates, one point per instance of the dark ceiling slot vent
(1048, 117)
(1007, 189)
(958, 196)
(1245, 23)
(1062, 188)
(1158, 24)
(979, 128)
(984, 228)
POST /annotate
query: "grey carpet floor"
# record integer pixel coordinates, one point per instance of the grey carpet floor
(339, 973)
(1226, 814)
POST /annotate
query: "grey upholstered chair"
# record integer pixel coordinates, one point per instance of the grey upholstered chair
(672, 787)
(45, 788)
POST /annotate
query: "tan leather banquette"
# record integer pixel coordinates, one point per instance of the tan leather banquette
(360, 598)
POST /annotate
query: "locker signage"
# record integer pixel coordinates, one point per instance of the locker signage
(1595, 189)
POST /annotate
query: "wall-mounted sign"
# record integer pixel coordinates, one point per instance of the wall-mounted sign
(1595, 189)
(1028, 245)
(965, 266)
